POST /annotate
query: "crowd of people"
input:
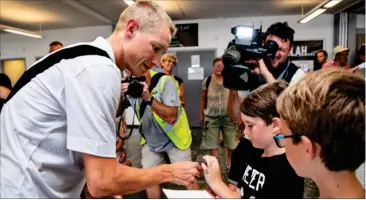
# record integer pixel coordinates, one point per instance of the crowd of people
(60, 136)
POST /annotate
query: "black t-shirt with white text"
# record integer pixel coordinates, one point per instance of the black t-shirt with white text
(263, 177)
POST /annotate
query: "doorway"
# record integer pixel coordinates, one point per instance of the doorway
(193, 87)
(13, 68)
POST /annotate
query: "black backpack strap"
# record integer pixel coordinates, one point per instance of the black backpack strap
(154, 81)
(179, 80)
(291, 70)
(208, 81)
(51, 60)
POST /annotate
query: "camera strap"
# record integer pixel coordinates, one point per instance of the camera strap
(289, 72)
(123, 106)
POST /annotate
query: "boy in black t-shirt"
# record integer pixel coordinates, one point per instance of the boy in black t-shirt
(323, 123)
(260, 168)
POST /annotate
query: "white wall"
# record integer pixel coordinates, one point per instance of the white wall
(213, 34)
(17, 46)
(360, 21)
(216, 33)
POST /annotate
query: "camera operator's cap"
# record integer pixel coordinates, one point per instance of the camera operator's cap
(339, 49)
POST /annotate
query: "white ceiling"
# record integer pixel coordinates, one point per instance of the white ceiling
(55, 14)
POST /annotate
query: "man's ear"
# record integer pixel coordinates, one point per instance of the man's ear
(131, 28)
(292, 46)
(311, 149)
(276, 125)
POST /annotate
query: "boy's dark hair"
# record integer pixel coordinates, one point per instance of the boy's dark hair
(5, 81)
(261, 102)
(281, 30)
(328, 107)
(324, 53)
(54, 43)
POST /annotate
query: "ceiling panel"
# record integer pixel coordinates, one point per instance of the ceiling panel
(51, 14)
(235, 8)
(111, 9)
(54, 14)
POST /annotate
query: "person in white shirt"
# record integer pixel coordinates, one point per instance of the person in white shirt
(58, 124)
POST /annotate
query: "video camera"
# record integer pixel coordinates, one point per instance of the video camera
(135, 88)
(247, 45)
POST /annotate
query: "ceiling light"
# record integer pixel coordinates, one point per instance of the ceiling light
(19, 31)
(312, 15)
(332, 3)
(129, 2)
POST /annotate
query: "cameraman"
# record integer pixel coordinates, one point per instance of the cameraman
(58, 123)
(268, 69)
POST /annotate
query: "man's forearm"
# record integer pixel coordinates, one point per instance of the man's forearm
(268, 77)
(167, 113)
(128, 180)
(233, 105)
(135, 180)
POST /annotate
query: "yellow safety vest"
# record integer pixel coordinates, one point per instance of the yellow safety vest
(179, 132)
(152, 73)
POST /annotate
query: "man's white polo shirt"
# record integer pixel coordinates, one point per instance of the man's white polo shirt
(67, 110)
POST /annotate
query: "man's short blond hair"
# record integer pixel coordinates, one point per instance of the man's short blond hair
(169, 56)
(328, 107)
(149, 15)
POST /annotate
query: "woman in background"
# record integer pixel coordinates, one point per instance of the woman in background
(5, 88)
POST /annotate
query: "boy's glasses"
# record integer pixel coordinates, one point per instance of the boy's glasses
(280, 139)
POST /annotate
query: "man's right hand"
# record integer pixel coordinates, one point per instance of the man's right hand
(184, 172)
(124, 87)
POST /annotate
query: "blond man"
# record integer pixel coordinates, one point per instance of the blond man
(323, 123)
(58, 124)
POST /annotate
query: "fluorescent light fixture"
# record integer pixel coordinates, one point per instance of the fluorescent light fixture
(19, 31)
(332, 3)
(312, 15)
(129, 2)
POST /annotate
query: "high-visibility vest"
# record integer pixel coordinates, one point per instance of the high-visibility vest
(153, 73)
(179, 132)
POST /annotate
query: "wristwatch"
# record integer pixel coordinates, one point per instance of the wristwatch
(150, 101)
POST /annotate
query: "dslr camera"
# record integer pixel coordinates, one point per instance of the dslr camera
(247, 45)
(135, 88)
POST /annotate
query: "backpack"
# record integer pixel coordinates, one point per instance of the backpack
(208, 81)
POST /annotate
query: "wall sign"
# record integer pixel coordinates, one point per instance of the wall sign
(303, 53)
(186, 36)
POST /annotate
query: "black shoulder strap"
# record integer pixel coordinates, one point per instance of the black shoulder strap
(180, 81)
(290, 72)
(51, 60)
(154, 81)
(208, 81)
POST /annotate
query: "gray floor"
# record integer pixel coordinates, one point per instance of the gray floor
(134, 155)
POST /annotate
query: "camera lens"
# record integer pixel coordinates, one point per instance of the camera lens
(231, 57)
(135, 89)
(271, 47)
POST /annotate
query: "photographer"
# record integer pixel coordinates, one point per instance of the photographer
(269, 69)
(58, 123)
(163, 125)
